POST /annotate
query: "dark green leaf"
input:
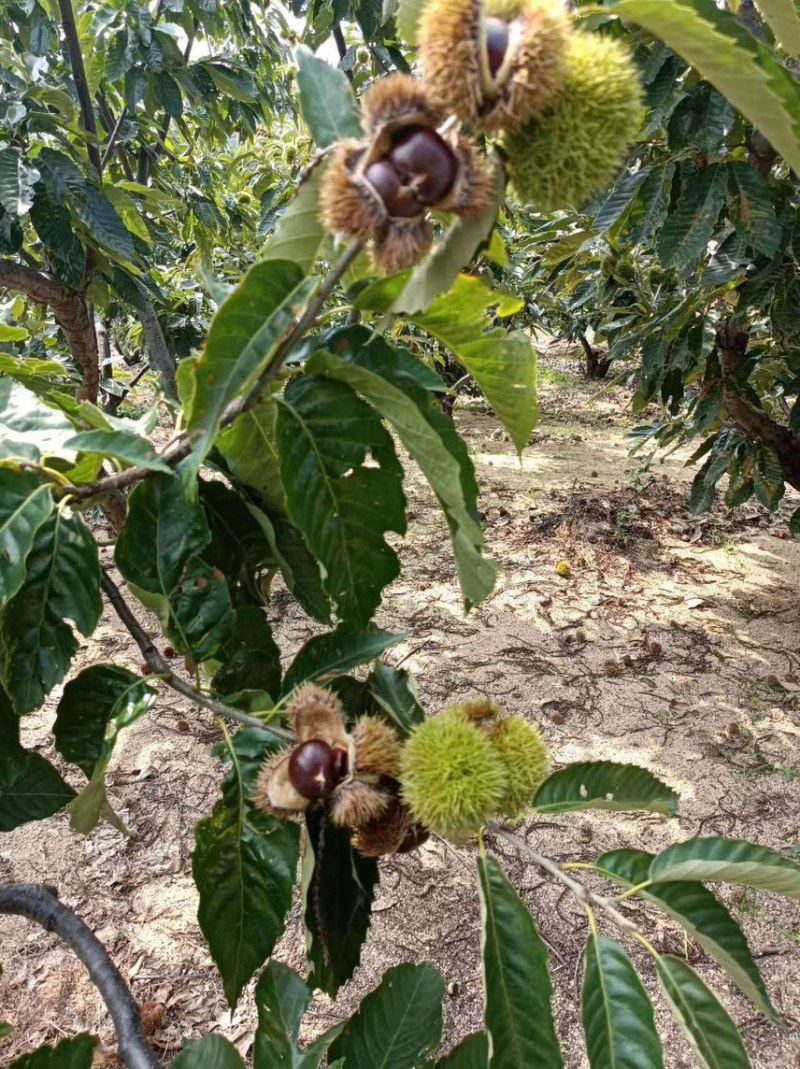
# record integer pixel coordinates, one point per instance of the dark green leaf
(25, 504)
(699, 913)
(213, 1052)
(752, 208)
(704, 1020)
(393, 691)
(240, 342)
(200, 615)
(617, 1016)
(52, 222)
(518, 991)
(17, 181)
(338, 888)
(604, 785)
(168, 94)
(76, 1053)
(62, 582)
(251, 452)
(687, 231)
(471, 1053)
(121, 445)
(398, 1023)
(651, 206)
(299, 569)
(250, 658)
(326, 100)
(239, 546)
(768, 477)
(244, 866)
(104, 225)
(343, 507)
(281, 999)
(329, 655)
(94, 707)
(729, 861)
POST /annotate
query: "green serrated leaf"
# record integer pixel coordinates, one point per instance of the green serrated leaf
(200, 616)
(728, 861)
(338, 888)
(326, 100)
(250, 658)
(251, 452)
(76, 1053)
(299, 232)
(393, 691)
(121, 445)
(12, 334)
(25, 504)
(343, 507)
(213, 1052)
(703, 1019)
(298, 567)
(281, 999)
(327, 656)
(471, 1053)
(617, 1015)
(62, 583)
(244, 865)
(784, 21)
(518, 991)
(384, 376)
(28, 427)
(752, 208)
(17, 181)
(129, 212)
(768, 481)
(398, 1023)
(722, 50)
(700, 914)
(604, 785)
(103, 223)
(240, 342)
(687, 231)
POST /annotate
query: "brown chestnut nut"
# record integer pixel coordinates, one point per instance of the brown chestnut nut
(312, 769)
(423, 160)
(496, 43)
(340, 764)
(398, 199)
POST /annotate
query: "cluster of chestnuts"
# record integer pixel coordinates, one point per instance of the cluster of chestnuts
(563, 105)
(454, 772)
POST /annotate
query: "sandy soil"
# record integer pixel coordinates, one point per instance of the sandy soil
(674, 644)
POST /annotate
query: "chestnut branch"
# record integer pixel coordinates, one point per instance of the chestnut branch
(158, 666)
(40, 904)
(180, 448)
(583, 894)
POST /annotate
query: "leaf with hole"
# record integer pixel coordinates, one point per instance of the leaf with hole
(604, 785)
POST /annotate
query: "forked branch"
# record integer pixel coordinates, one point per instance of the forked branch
(40, 903)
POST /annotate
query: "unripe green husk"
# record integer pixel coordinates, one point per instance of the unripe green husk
(451, 777)
(524, 757)
(575, 146)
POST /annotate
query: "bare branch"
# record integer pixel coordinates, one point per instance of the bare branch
(179, 448)
(158, 665)
(583, 894)
(341, 46)
(40, 904)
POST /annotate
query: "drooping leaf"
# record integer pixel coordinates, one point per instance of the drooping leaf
(213, 1052)
(604, 785)
(617, 1015)
(384, 376)
(251, 452)
(343, 507)
(281, 999)
(687, 231)
(728, 861)
(503, 364)
(17, 181)
(52, 222)
(702, 1017)
(518, 991)
(239, 547)
(244, 865)
(299, 233)
(471, 1053)
(299, 569)
(752, 208)
(162, 531)
(338, 889)
(620, 198)
(29, 427)
(75, 1053)
(25, 504)
(325, 656)
(768, 481)
(250, 657)
(240, 342)
(62, 582)
(699, 913)
(714, 42)
(200, 615)
(95, 706)
(398, 1023)
(103, 223)
(326, 99)
(393, 690)
(121, 445)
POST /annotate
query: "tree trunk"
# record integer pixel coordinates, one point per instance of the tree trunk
(161, 359)
(596, 366)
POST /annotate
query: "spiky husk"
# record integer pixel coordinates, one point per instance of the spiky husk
(576, 146)
(451, 778)
(449, 37)
(476, 181)
(273, 792)
(377, 747)
(387, 834)
(481, 712)
(315, 713)
(398, 98)
(346, 205)
(404, 244)
(524, 758)
(354, 804)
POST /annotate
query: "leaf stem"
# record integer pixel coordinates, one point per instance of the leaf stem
(633, 891)
(156, 663)
(583, 894)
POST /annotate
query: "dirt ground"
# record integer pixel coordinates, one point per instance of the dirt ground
(674, 644)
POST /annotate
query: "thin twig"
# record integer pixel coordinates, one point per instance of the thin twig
(181, 447)
(583, 894)
(158, 665)
(79, 77)
(112, 137)
(40, 903)
(341, 46)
